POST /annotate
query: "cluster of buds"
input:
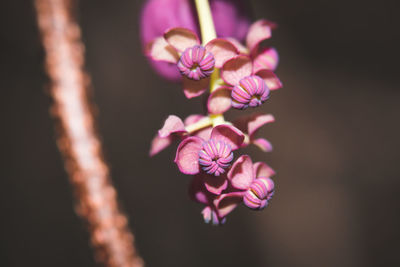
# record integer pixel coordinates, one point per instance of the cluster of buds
(235, 75)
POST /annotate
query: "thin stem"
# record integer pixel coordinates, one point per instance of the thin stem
(208, 33)
(206, 22)
(78, 140)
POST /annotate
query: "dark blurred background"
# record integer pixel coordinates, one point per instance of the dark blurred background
(336, 143)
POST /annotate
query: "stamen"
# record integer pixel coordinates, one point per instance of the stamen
(251, 91)
(215, 157)
(196, 63)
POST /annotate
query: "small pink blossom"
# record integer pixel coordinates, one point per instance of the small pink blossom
(262, 57)
(252, 183)
(192, 150)
(182, 47)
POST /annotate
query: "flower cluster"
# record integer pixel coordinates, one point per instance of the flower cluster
(238, 76)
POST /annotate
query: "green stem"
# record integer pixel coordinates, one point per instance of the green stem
(206, 21)
(208, 33)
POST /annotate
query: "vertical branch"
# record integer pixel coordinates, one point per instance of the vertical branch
(77, 137)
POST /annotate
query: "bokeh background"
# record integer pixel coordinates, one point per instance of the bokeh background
(336, 143)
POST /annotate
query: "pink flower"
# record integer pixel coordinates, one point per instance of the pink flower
(249, 76)
(212, 155)
(159, 15)
(195, 62)
(245, 182)
(251, 183)
(198, 191)
(262, 57)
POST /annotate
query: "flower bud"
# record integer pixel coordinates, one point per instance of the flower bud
(251, 91)
(196, 63)
(215, 157)
(260, 191)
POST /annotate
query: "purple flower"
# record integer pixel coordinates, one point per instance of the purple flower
(181, 46)
(196, 63)
(251, 184)
(194, 152)
(159, 15)
(251, 91)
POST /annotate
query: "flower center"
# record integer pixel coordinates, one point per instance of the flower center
(251, 91)
(260, 191)
(196, 63)
(215, 157)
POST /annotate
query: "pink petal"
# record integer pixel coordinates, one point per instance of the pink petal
(270, 79)
(236, 69)
(204, 133)
(172, 124)
(267, 59)
(229, 134)
(181, 38)
(222, 49)
(263, 170)
(241, 48)
(159, 49)
(215, 184)
(197, 190)
(192, 88)
(263, 144)
(219, 101)
(226, 203)
(210, 215)
(250, 124)
(158, 144)
(187, 157)
(242, 173)
(258, 32)
(193, 119)
(257, 121)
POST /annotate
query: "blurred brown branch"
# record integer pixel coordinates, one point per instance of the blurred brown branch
(77, 137)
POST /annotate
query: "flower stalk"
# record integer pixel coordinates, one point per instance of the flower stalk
(208, 33)
(236, 76)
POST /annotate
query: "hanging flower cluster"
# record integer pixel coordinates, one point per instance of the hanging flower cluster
(238, 76)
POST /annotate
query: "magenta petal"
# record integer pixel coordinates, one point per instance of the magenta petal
(257, 121)
(210, 216)
(236, 68)
(229, 134)
(270, 79)
(172, 124)
(204, 133)
(181, 38)
(241, 48)
(263, 144)
(222, 49)
(192, 88)
(158, 144)
(215, 184)
(187, 155)
(258, 32)
(267, 59)
(159, 49)
(263, 170)
(226, 203)
(242, 173)
(219, 101)
(250, 124)
(193, 119)
(197, 190)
